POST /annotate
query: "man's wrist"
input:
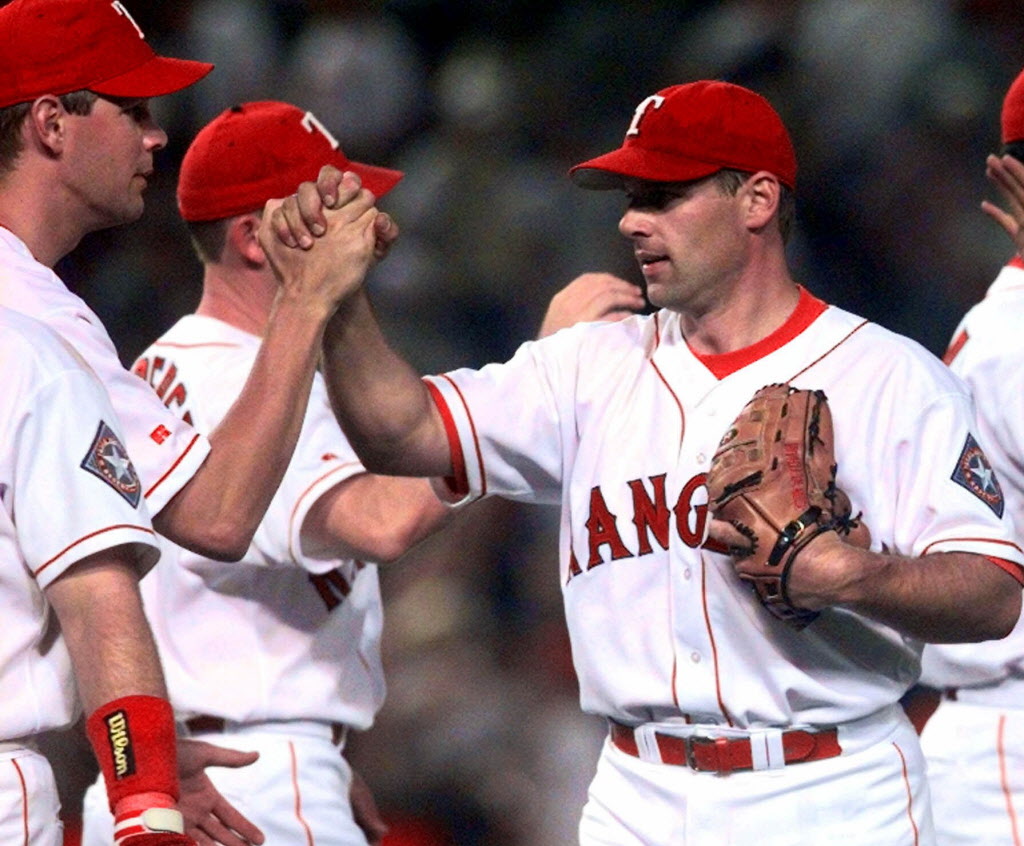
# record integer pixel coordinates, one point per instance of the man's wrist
(135, 744)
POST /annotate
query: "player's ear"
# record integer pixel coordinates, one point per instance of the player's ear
(241, 236)
(46, 124)
(763, 192)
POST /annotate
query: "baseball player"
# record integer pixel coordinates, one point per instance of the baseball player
(76, 152)
(727, 725)
(77, 141)
(298, 620)
(974, 742)
(75, 537)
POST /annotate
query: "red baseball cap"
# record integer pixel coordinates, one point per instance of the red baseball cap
(1013, 111)
(691, 131)
(254, 152)
(59, 46)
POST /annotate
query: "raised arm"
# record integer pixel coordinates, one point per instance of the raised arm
(383, 405)
(381, 402)
(217, 512)
(1007, 174)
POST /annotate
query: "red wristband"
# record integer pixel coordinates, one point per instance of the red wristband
(135, 743)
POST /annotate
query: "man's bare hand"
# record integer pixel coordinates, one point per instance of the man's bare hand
(209, 818)
(332, 257)
(307, 218)
(1007, 173)
(591, 296)
(385, 233)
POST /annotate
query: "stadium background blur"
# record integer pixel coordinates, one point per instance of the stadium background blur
(892, 105)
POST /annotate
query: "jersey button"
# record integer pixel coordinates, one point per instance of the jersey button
(701, 458)
(695, 657)
(686, 573)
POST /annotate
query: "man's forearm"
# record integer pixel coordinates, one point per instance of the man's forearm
(951, 597)
(945, 597)
(380, 401)
(217, 512)
(100, 611)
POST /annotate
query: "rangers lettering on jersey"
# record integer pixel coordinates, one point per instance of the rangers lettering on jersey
(161, 375)
(650, 517)
(333, 586)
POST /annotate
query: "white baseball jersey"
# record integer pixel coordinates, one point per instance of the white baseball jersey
(280, 644)
(974, 744)
(618, 423)
(296, 637)
(987, 351)
(67, 491)
(166, 451)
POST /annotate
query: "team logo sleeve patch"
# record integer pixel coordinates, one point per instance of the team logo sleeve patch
(108, 460)
(975, 473)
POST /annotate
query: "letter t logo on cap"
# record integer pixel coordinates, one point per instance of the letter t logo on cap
(311, 124)
(121, 10)
(655, 101)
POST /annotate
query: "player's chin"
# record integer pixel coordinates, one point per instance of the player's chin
(129, 212)
(659, 295)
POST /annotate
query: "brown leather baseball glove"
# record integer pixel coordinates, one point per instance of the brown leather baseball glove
(773, 478)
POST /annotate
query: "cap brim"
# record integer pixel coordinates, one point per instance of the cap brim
(606, 172)
(378, 180)
(154, 78)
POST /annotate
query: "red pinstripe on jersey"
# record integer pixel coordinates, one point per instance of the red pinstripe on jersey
(828, 352)
(24, 800)
(89, 536)
(301, 499)
(1004, 781)
(910, 793)
(682, 430)
(171, 469)
(298, 795)
(711, 638)
(679, 405)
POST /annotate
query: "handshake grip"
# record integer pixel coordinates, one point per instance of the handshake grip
(773, 478)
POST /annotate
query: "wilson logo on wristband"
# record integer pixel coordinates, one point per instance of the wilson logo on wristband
(120, 744)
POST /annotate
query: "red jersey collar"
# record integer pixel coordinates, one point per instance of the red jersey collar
(807, 310)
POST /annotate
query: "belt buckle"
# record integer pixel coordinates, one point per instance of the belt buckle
(691, 758)
(717, 743)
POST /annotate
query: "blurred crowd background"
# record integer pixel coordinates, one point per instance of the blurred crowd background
(892, 104)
